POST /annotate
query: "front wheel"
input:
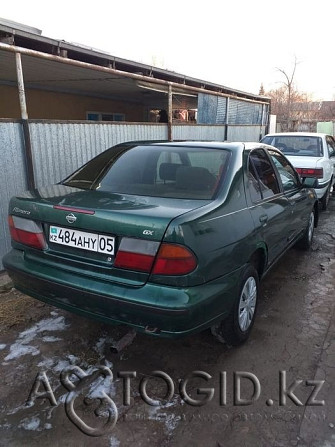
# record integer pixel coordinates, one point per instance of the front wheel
(236, 328)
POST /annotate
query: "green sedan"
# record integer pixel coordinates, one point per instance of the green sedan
(168, 238)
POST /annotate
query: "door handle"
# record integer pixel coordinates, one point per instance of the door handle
(299, 199)
(263, 218)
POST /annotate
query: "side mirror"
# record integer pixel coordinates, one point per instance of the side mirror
(310, 182)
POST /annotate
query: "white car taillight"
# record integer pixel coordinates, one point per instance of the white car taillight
(310, 172)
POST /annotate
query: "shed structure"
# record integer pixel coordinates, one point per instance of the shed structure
(62, 103)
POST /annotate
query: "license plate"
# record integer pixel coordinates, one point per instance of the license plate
(81, 239)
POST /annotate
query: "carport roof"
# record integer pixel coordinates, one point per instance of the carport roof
(56, 65)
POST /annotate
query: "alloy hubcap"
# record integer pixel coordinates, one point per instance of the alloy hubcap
(247, 304)
(311, 227)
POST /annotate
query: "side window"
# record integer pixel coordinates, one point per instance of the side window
(254, 186)
(261, 169)
(331, 146)
(288, 176)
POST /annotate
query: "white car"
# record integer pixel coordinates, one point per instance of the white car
(312, 155)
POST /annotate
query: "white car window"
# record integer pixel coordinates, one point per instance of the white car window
(296, 145)
(331, 146)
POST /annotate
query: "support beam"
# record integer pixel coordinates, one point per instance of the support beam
(20, 84)
(25, 124)
(170, 113)
(187, 88)
(226, 121)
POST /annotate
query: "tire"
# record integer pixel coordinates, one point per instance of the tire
(306, 241)
(236, 328)
(325, 199)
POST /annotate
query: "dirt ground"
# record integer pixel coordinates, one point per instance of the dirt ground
(238, 399)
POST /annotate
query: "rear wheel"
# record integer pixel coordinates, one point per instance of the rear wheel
(325, 199)
(306, 241)
(236, 328)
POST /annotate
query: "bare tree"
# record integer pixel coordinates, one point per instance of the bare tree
(327, 111)
(296, 109)
(289, 95)
(288, 83)
(289, 104)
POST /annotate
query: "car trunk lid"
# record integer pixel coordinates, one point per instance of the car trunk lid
(304, 162)
(72, 219)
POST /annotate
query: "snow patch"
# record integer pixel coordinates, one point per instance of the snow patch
(101, 386)
(57, 365)
(2, 346)
(21, 407)
(108, 364)
(48, 324)
(21, 346)
(51, 339)
(99, 347)
(30, 423)
(158, 406)
(113, 442)
(18, 350)
(171, 421)
(34, 424)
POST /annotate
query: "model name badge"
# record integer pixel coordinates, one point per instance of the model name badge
(148, 232)
(18, 210)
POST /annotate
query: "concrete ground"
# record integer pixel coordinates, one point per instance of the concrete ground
(278, 389)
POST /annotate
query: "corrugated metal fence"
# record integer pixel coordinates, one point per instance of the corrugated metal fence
(58, 148)
(12, 175)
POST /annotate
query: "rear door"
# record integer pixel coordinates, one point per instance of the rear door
(331, 152)
(269, 206)
(295, 194)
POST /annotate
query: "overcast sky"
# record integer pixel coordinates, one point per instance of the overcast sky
(238, 43)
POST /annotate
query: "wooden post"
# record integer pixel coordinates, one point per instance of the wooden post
(25, 124)
(20, 84)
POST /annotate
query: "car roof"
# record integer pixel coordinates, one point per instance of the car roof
(299, 134)
(237, 146)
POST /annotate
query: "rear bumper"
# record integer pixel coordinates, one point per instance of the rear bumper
(321, 189)
(172, 312)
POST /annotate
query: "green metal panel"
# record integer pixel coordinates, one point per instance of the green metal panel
(325, 127)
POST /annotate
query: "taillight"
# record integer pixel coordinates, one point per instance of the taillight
(310, 172)
(26, 232)
(174, 259)
(140, 255)
(136, 254)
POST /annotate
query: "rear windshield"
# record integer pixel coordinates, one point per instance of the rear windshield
(296, 145)
(156, 171)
